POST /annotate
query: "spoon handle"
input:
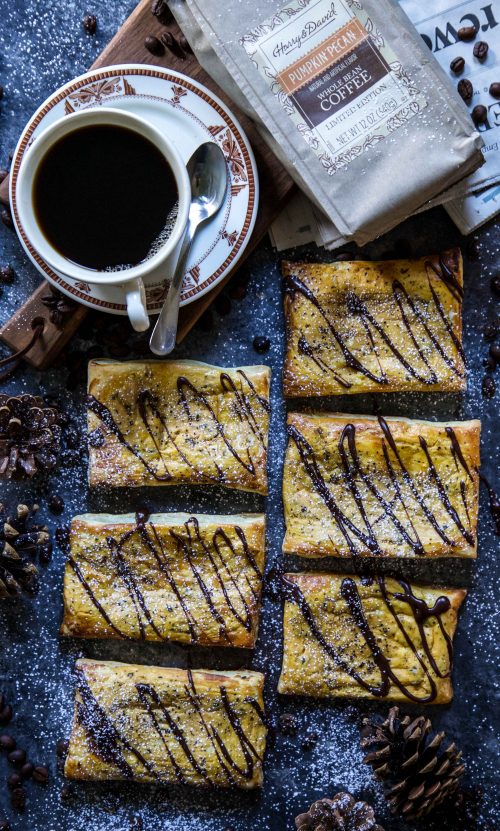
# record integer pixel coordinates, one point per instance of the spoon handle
(164, 334)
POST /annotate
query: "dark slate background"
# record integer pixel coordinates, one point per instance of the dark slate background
(41, 46)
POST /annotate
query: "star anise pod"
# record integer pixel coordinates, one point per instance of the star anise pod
(21, 540)
(342, 813)
(30, 436)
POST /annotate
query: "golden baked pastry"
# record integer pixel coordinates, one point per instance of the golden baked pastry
(374, 326)
(175, 422)
(380, 487)
(368, 637)
(153, 724)
(193, 579)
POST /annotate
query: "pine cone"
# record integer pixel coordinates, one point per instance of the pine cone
(20, 541)
(420, 771)
(342, 813)
(30, 435)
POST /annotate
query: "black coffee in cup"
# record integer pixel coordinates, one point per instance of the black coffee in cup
(103, 196)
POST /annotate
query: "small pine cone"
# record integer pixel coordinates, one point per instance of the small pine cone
(342, 813)
(21, 541)
(421, 773)
(30, 436)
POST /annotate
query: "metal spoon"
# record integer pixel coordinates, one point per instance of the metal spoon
(208, 175)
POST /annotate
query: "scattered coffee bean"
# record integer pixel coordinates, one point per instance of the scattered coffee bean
(17, 757)
(480, 50)
(223, 305)
(170, 43)
(7, 743)
(488, 387)
(90, 24)
(184, 44)
(457, 65)
(465, 89)
(62, 748)
(261, 344)
(5, 825)
(18, 799)
(3, 174)
(479, 114)
(288, 724)
(467, 33)
(14, 781)
(161, 11)
(6, 218)
(310, 741)
(6, 713)
(56, 504)
(490, 331)
(66, 793)
(154, 45)
(7, 274)
(27, 770)
(488, 364)
(495, 353)
(41, 774)
(495, 285)
(495, 89)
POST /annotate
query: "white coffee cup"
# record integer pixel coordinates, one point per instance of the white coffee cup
(130, 278)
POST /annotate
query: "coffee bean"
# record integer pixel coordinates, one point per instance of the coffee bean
(41, 774)
(457, 65)
(18, 799)
(154, 45)
(6, 714)
(17, 757)
(66, 793)
(7, 743)
(480, 50)
(172, 45)
(90, 24)
(495, 89)
(3, 174)
(288, 724)
(310, 741)
(490, 331)
(7, 274)
(27, 770)
(161, 11)
(465, 89)
(184, 44)
(488, 364)
(488, 386)
(495, 353)
(495, 285)
(261, 344)
(62, 747)
(479, 114)
(6, 218)
(56, 504)
(14, 781)
(467, 33)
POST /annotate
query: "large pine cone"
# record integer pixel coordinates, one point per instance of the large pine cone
(342, 813)
(421, 772)
(30, 436)
(20, 541)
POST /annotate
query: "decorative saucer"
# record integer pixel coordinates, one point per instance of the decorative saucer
(189, 114)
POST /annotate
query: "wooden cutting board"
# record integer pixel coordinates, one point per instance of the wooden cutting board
(276, 186)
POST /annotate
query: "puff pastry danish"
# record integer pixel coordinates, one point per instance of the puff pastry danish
(193, 579)
(385, 326)
(175, 422)
(153, 724)
(390, 487)
(368, 637)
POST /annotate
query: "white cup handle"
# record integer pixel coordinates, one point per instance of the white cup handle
(136, 305)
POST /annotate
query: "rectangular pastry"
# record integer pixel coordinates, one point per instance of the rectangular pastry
(380, 487)
(178, 422)
(154, 724)
(368, 637)
(386, 326)
(165, 577)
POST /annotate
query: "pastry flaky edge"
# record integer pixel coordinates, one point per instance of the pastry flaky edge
(105, 471)
(345, 275)
(303, 671)
(304, 545)
(112, 696)
(82, 617)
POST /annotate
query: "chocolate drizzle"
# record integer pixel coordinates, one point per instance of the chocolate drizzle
(215, 552)
(109, 743)
(245, 404)
(359, 480)
(420, 612)
(408, 310)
